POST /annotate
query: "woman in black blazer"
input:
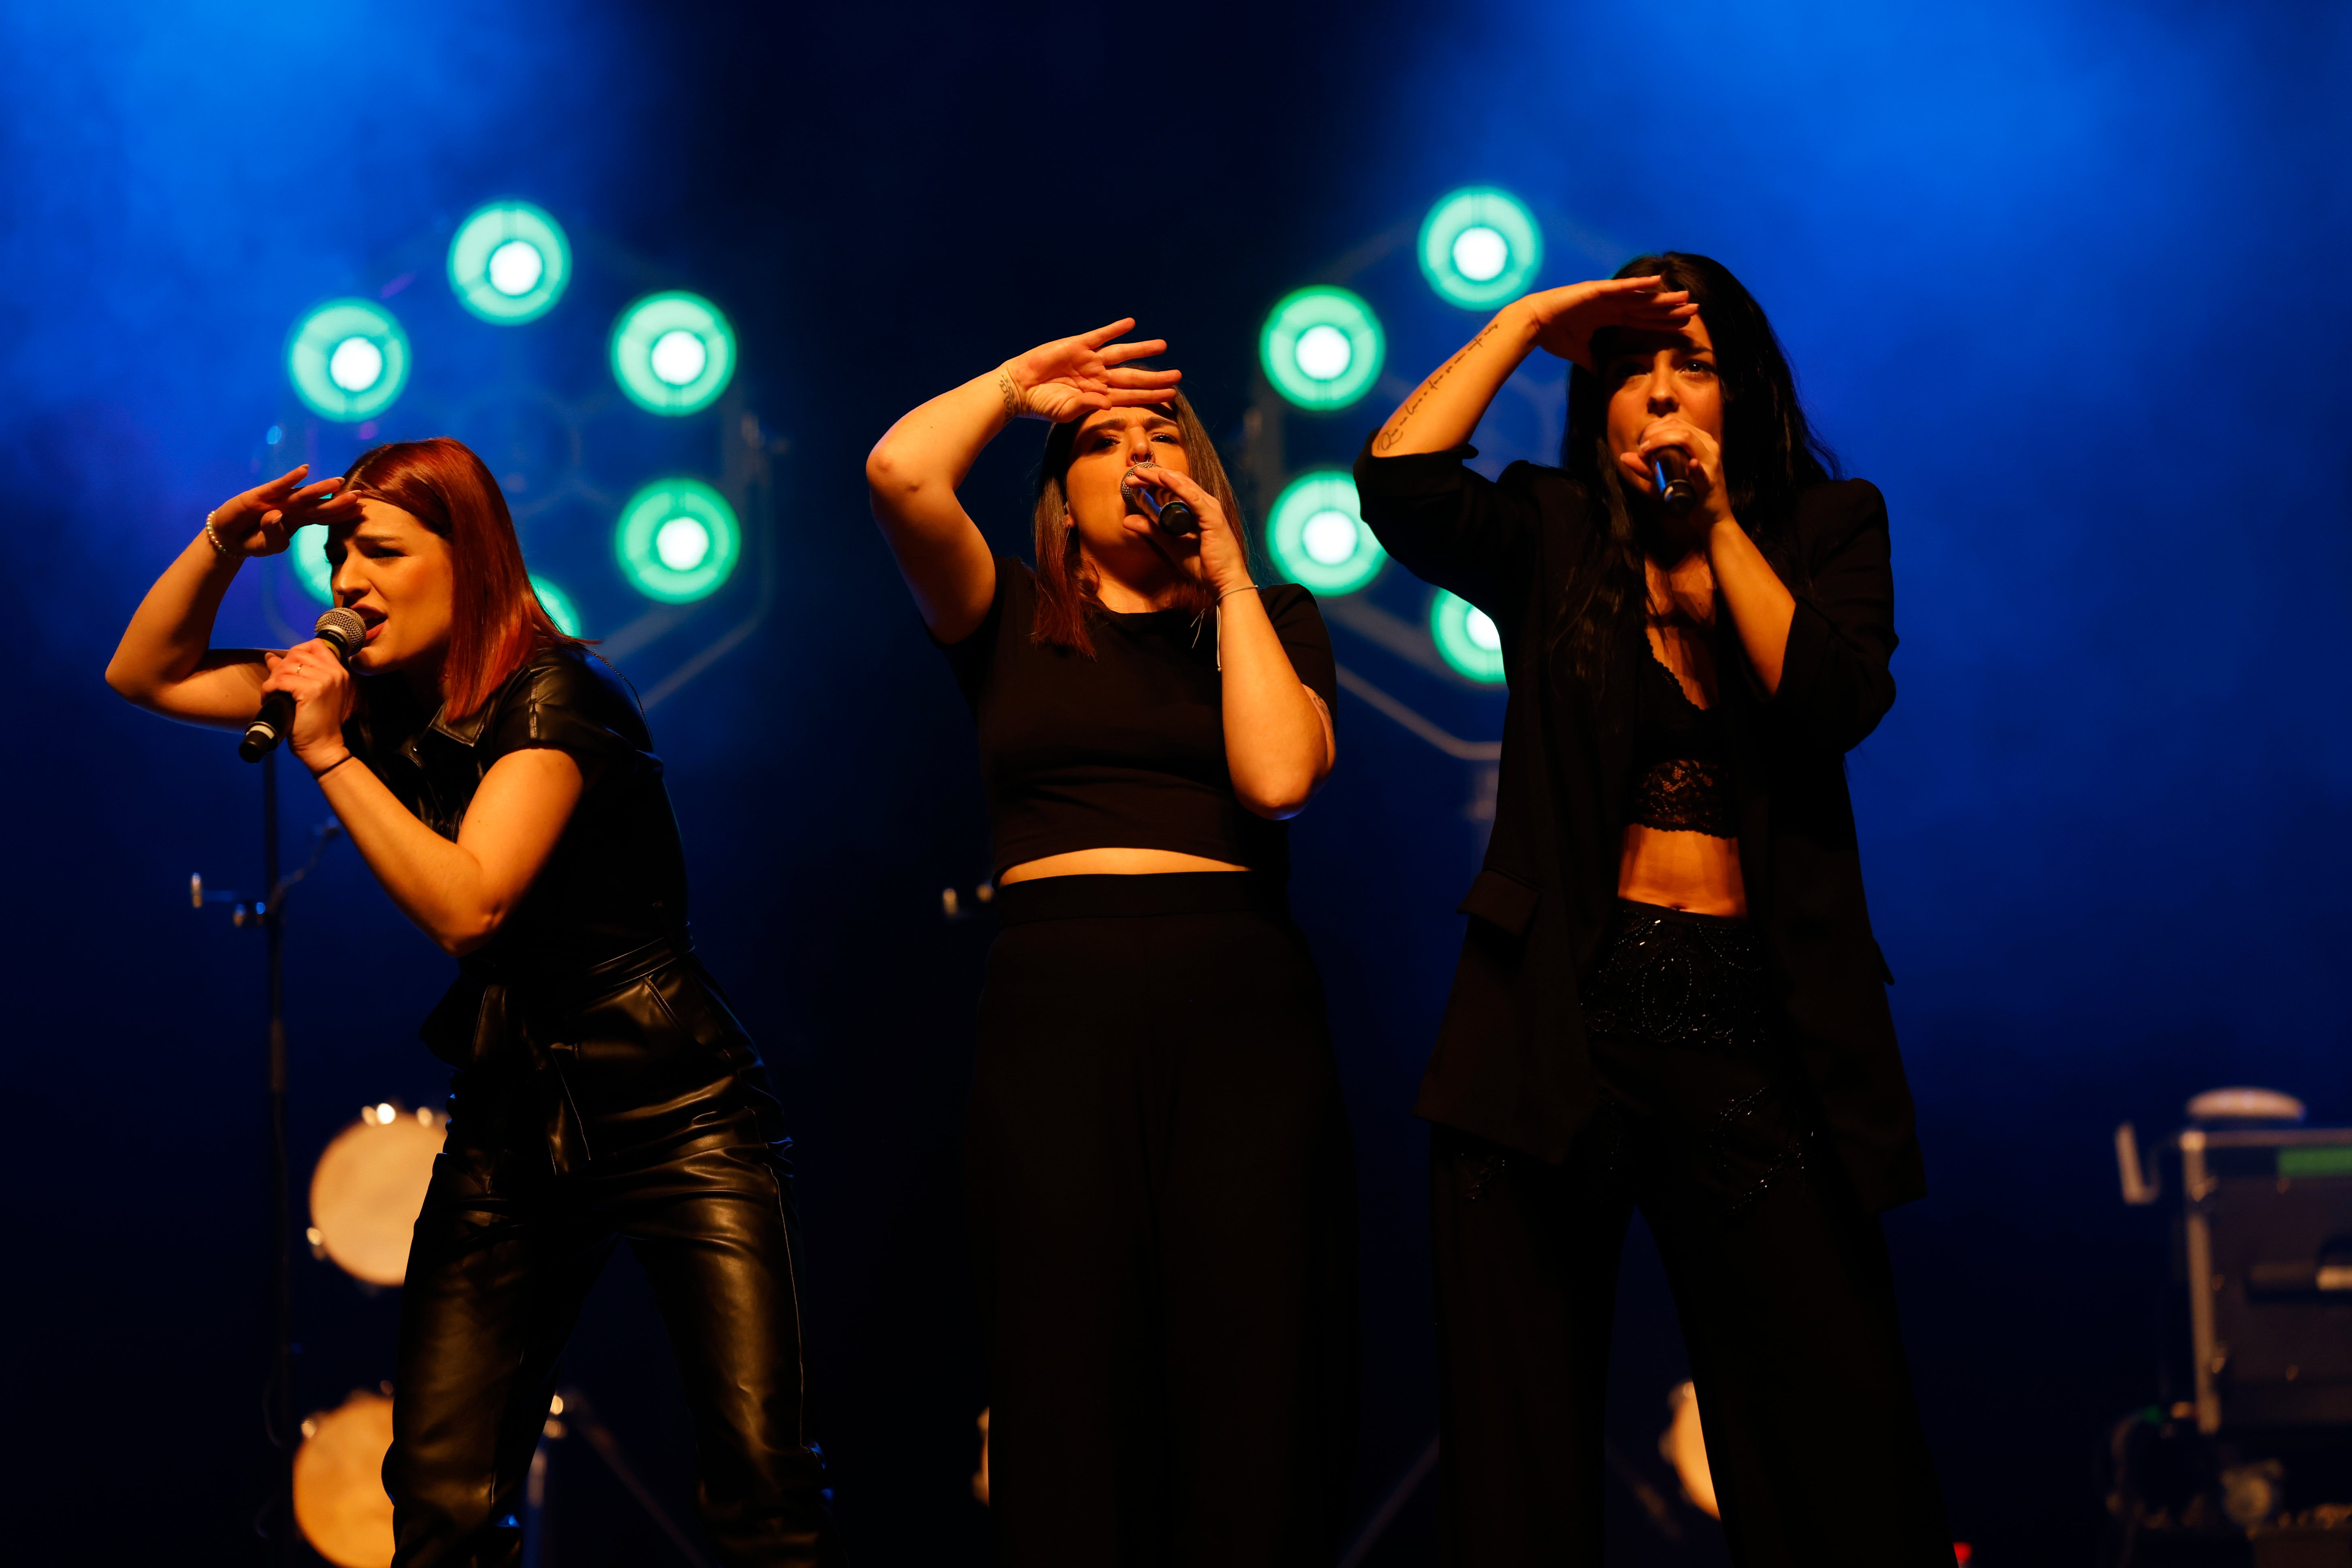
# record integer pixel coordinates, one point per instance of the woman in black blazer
(1669, 995)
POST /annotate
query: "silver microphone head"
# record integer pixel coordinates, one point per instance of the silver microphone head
(342, 628)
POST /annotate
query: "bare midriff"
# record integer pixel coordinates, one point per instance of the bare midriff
(1112, 863)
(1693, 871)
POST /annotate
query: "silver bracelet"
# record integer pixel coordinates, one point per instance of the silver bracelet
(1244, 588)
(218, 548)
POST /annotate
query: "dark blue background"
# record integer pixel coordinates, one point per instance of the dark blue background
(2061, 278)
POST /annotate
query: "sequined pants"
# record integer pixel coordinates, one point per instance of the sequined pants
(668, 1136)
(1781, 1280)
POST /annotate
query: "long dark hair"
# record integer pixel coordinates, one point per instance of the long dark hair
(1769, 452)
(496, 621)
(1068, 597)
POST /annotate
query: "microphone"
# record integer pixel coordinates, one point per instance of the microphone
(1171, 517)
(340, 629)
(1670, 471)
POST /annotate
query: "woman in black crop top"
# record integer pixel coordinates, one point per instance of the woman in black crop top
(1158, 1165)
(1669, 995)
(504, 790)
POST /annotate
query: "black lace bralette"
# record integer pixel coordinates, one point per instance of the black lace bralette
(1683, 785)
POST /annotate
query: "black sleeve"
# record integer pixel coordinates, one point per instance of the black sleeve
(566, 705)
(1451, 525)
(1833, 677)
(972, 658)
(1305, 639)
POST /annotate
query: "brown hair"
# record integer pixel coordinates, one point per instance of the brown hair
(496, 621)
(1066, 596)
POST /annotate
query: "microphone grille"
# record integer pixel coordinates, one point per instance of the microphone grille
(343, 628)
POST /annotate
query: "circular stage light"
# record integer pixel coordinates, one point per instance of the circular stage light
(510, 263)
(558, 605)
(1467, 638)
(1480, 247)
(1322, 347)
(308, 557)
(348, 360)
(677, 541)
(1318, 536)
(673, 353)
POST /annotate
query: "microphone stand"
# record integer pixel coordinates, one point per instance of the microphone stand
(277, 1515)
(280, 1405)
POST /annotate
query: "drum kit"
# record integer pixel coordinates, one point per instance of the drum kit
(365, 1194)
(1683, 1445)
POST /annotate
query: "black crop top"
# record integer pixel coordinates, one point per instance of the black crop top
(1126, 750)
(1681, 785)
(616, 880)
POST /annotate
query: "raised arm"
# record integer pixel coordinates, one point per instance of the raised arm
(1279, 742)
(1446, 407)
(915, 469)
(165, 662)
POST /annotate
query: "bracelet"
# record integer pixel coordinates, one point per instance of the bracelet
(219, 547)
(1244, 588)
(331, 767)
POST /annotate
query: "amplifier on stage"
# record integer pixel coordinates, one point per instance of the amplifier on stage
(2266, 1234)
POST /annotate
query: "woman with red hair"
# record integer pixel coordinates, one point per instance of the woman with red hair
(502, 787)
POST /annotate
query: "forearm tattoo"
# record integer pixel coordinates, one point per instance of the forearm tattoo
(1395, 432)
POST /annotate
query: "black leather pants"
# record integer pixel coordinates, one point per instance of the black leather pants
(641, 1112)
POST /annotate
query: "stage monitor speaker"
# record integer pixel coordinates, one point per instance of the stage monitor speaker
(2267, 1229)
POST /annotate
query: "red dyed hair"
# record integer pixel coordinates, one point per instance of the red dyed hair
(496, 621)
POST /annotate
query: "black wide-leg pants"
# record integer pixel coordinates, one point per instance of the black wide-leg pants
(1163, 1215)
(1781, 1280)
(645, 1116)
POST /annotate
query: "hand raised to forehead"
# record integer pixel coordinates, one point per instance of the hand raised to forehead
(262, 520)
(1071, 378)
(1566, 319)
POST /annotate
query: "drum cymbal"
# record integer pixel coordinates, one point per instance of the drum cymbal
(1684, 1448)
(338, 1499)
(368, 1188)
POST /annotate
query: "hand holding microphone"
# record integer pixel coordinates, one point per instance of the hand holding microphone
(1670, 471)
(1182, 512)
(1171, 515)
(1684, 466)
(341, 634)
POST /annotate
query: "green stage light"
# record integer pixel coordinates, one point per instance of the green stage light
(673, 353)
(1318, 534)
(1480, 247)
(1322, 347)
(1466, 637)
(308, 557)
(348, 360)
(558, 605)
(510, 263)
(677, 541)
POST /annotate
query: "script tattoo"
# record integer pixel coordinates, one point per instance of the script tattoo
(1395, 432)
(1015, 403)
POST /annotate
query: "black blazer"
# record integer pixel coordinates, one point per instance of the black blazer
(1511, 1063)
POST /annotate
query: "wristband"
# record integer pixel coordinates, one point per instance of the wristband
(331, 767)
(1244, 588)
